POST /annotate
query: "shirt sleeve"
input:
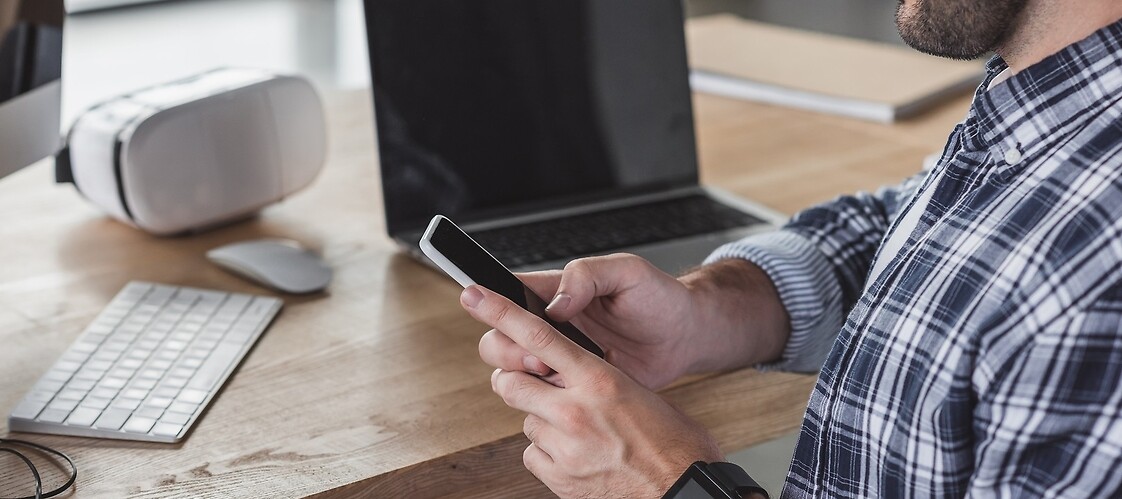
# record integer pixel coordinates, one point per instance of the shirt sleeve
(1048, 421)
(818, 262)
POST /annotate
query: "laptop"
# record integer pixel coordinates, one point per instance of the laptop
(548, 130)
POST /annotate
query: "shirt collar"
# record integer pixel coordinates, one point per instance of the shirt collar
(1024, 111)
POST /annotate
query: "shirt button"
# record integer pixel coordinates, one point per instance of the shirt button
(1013, 156)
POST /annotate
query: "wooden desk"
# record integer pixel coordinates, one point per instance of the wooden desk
(375, 389)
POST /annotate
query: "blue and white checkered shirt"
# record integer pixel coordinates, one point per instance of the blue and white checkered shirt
(986, 359)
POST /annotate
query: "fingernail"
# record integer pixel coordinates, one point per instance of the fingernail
(533, 365)
(560, 302)
(471, 297)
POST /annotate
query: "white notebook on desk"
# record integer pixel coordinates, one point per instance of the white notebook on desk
(749, 60)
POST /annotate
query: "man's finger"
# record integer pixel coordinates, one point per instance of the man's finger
(497, 350)
(588, 278)
(538, 431)
(526, 329)
(524, 392)
(539, 463)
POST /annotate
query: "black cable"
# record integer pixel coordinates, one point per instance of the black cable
(34, 471)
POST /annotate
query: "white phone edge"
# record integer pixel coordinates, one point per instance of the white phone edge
(438, 258)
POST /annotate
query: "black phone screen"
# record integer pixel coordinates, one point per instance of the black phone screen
(485, 270)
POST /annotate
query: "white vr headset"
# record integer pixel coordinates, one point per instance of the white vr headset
(198, 152)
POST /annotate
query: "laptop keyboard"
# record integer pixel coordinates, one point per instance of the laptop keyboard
(604, 231)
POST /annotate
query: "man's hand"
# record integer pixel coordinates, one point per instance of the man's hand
(638, 314)
(652, 326)
(601, 434)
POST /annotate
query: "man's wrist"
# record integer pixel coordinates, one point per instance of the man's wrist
(737, 308)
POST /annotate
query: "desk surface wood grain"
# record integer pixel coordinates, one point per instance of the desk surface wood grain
(374, 389)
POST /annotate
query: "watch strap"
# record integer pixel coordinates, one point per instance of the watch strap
(734, 478)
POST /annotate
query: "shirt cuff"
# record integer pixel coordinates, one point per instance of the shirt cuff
(808, 289)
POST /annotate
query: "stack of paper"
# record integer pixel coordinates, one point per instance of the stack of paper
(744, 59)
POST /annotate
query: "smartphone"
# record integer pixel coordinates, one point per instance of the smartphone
(463, 259)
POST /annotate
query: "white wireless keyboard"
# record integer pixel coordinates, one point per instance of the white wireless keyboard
(147, 367)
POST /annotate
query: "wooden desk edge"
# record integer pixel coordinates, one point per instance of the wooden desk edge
(723, 403)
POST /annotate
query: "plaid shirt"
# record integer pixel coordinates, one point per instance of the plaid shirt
(986, 359)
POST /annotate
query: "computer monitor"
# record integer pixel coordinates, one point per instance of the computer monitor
(30, 81)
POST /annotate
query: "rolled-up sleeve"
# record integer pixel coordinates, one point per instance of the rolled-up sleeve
(807, 287)
(819, 262)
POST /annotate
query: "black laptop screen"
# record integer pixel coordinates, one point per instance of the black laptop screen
(488, 107)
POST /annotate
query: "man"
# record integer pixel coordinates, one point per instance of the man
(967, 323)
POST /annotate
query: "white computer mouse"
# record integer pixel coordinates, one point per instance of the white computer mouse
(280, 264)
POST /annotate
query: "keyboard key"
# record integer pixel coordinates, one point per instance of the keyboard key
(98, 328)
(83, 416)
(192, 396)
(57, 375)
(144, 384)
(50, 415)
(199, 353)
(104, 355)
(159, 295)
(234, 304)
(238, 336)
(175, 382)
(139, 424)
(215, 367)
(112, 382)
(89, 374)
(126, 404)
(167, 429)
(182, 372)
(160, 402)
(72, 356)
(148, 412)
(46, 385)
(66, 366)
(131, 363)
(62, 405)
(84, 347)
(258, 309)
(183, 407)
(71, 394)
(178, 413)
(84, 385)
(122, 373)
(103, 392)
(115, 346)
(39, 396)
(134, 290)
(28, 409)
(95, 402)
(135, 393)
(165, 392)
(112, 419)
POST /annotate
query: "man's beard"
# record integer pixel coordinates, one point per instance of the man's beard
(958, 29)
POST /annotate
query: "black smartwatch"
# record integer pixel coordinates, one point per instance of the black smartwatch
(714, 481)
